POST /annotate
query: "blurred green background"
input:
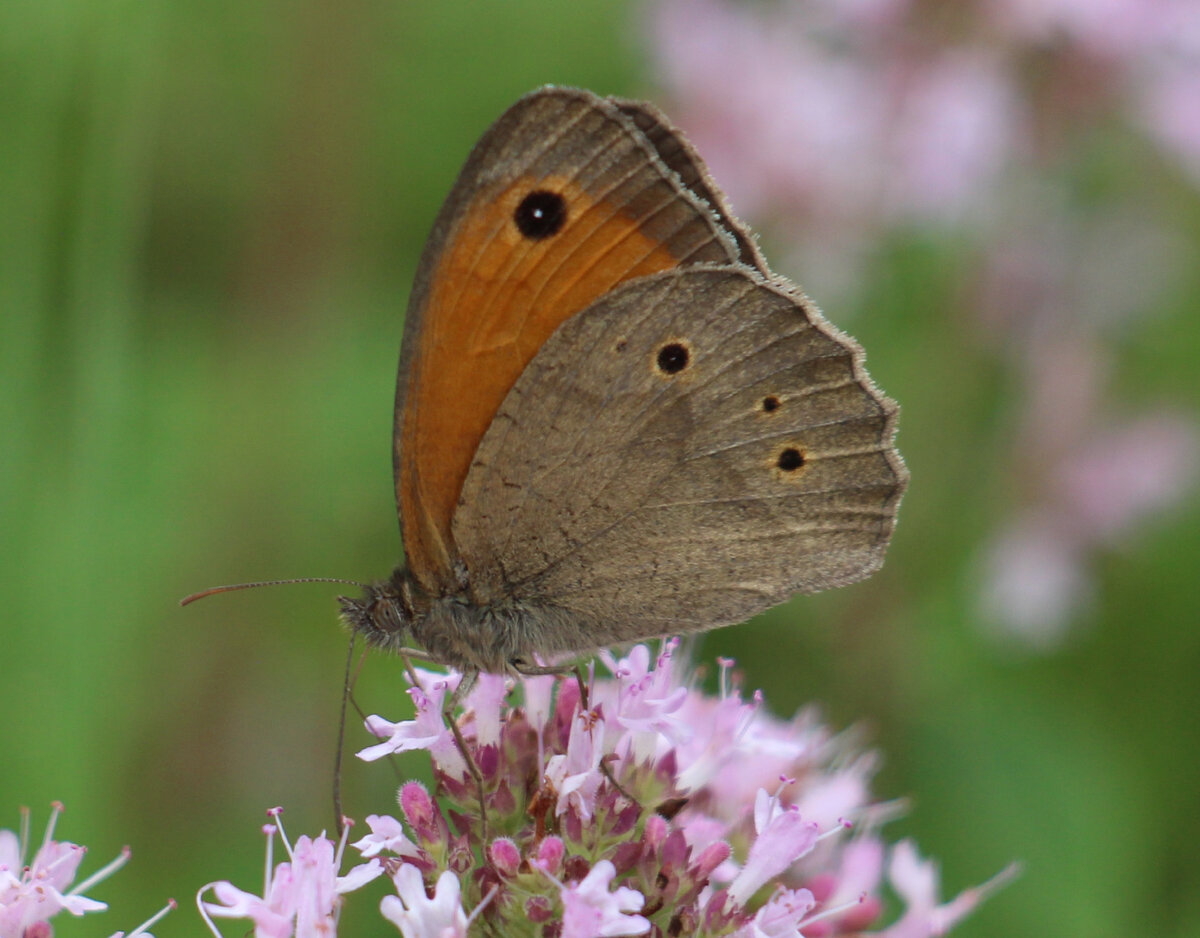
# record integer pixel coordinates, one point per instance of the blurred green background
(211, 217)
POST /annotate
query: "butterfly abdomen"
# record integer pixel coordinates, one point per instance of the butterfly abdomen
(496, 639)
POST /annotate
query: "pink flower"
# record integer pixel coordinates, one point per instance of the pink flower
(31, 895)
(427, 731)
(859, 122)
(590, 910)
(647, 703)
(838, 795)
(539, 694)
(858, 875)
(1119, 30)
(952, 134)
(418, 916)
(780, 917)
(302, 896)
(1171, 112)
(850, 120)
(736, 748)
(783, 838)
(1091, 479)
(550, 855)
(1034, 581)
(422, 814)
(1136, 468)
(485, 702)
(721, 728)
(916, 881)
(386, 834)
(576, 774)
(505, 856)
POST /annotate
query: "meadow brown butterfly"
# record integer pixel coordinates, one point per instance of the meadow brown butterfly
(613, 422)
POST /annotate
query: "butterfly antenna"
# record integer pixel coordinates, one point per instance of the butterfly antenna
(213, 590)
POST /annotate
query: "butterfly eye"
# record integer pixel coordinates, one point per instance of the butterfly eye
(790, 459)
(770, 403)
(541, 214)
(673, 358)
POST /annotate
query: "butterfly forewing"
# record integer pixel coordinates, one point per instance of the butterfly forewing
(563, 199)
(673, 148)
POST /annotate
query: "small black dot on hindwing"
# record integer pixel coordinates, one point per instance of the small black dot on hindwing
(770, 403)
(790, 459)
(672, 358)
(541, 214)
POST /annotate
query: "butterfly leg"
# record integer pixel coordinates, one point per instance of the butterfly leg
(417, 654)
(525, 668)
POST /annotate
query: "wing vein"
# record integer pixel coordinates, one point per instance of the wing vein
(785, 434)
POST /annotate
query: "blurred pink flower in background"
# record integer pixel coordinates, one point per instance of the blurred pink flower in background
(860, 116)
(33, 891)
(30, 895)
(302, 895)
(830, 123)
(1090, 482)
(1089, 468)
(834, 125)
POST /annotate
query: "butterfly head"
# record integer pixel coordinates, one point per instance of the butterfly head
(385, 614)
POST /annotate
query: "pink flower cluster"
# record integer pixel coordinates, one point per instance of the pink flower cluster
(1090, 477)
(31, 895)
(838, 120)
(833, 124)
(643, 807)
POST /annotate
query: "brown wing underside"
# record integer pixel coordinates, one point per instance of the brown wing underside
(647, 500)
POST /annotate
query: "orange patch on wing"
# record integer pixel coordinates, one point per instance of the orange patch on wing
(495, 299)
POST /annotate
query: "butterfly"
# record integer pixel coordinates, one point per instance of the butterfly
(613, 421)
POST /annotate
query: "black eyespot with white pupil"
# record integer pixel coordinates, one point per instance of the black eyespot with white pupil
(541, 214)
(673, 358)
(790, 459)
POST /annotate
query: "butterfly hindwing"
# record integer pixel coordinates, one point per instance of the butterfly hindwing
(689, 450)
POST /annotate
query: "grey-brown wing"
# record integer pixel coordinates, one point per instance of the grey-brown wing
(691, 449)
